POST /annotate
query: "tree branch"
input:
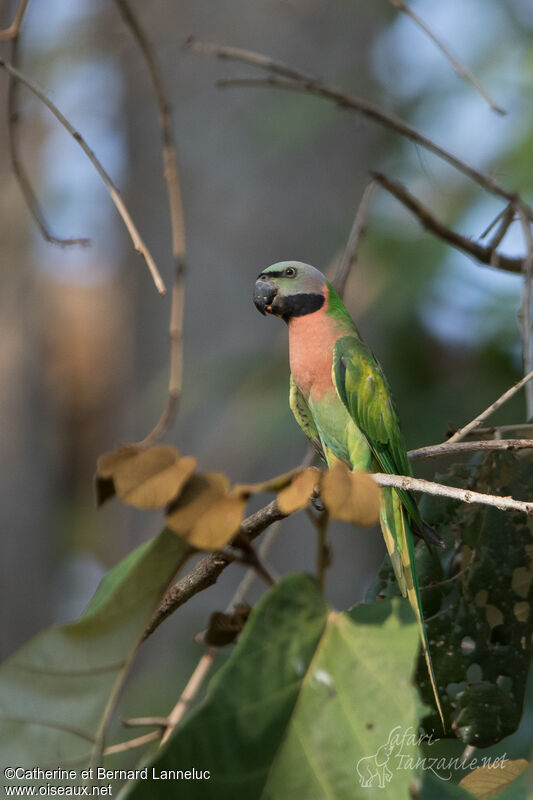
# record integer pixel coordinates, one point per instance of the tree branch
(206, 572)
(298, 81)
(525, 308)
(114, 193)
(461, 70)
(351, 251)
(445, 449)
(177, 223)
(485, 254)
(12, 32)
(189, 693)
(440, 490)
(462, 432)
(13, 116)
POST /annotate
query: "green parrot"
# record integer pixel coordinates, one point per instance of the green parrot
(341, 400)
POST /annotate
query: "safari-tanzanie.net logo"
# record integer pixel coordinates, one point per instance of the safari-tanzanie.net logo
(396, 754)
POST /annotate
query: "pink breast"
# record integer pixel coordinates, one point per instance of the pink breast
(311, 342)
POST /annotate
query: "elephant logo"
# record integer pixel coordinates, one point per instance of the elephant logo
(370, 768)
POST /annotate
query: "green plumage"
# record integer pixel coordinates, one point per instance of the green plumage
(349, 415)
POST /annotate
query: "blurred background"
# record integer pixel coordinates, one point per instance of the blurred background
(266, 176)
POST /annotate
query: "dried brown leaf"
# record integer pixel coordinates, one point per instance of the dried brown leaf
(148, 479)
(489, 779)
(224, 628)
(350, 496)
(298, 494)
(218, 524)
(200, 492)
(104, 488)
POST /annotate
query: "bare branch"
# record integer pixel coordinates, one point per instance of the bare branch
(19, 172)
(12, 32)
(462, 432)
(440, 490)
(247, 57)
(143, 722)
(189, 693)
(504, 218)
(461, 70)
(206, 572)
(298, 81)
(485, 254)
(525, 309)
(351, 251)
(445, 449)
(175, 203)
(497, 430)
(114, 193)
(131, 744)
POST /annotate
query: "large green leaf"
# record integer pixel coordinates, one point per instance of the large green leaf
(58, 691)
(308, 706)
(477, 597)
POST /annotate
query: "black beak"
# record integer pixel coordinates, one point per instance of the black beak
(264, 294)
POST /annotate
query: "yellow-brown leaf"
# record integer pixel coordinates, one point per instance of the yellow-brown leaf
(350, 496)
(298, 494)
(147, 479)
(200, 492)
(216, 526)
(489, 779)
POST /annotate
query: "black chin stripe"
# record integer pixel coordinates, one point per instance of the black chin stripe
(298, 305)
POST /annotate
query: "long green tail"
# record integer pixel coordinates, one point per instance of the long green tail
(402, 553)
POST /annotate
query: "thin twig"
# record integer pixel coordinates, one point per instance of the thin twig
(177, 223)
(375, 113)
(503, 221)
(13, 116)
(247, 57)
(357, 231)
(131, 744)
(143, 722)
(189, 693)
(13, 30)
(485, 254)
(440, 490)
(497, 430)
(323, 555)
(462, 432)
(114, 193)
(298, 81)
(461, 70)
(445, 449)
(525, 309)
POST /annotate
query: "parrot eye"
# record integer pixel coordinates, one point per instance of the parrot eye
(290, 272)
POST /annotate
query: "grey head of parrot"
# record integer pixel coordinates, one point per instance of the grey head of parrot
(290, 289)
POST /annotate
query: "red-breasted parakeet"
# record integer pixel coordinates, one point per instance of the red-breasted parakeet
(341, 400)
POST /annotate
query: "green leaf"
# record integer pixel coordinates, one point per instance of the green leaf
(58, 691)
(307, 695)
(477, 595)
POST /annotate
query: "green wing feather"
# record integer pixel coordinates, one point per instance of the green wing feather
(363, 389)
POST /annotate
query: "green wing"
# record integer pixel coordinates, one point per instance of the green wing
(303, 416)
(363, 388)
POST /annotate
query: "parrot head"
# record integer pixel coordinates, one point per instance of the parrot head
(290, 289)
